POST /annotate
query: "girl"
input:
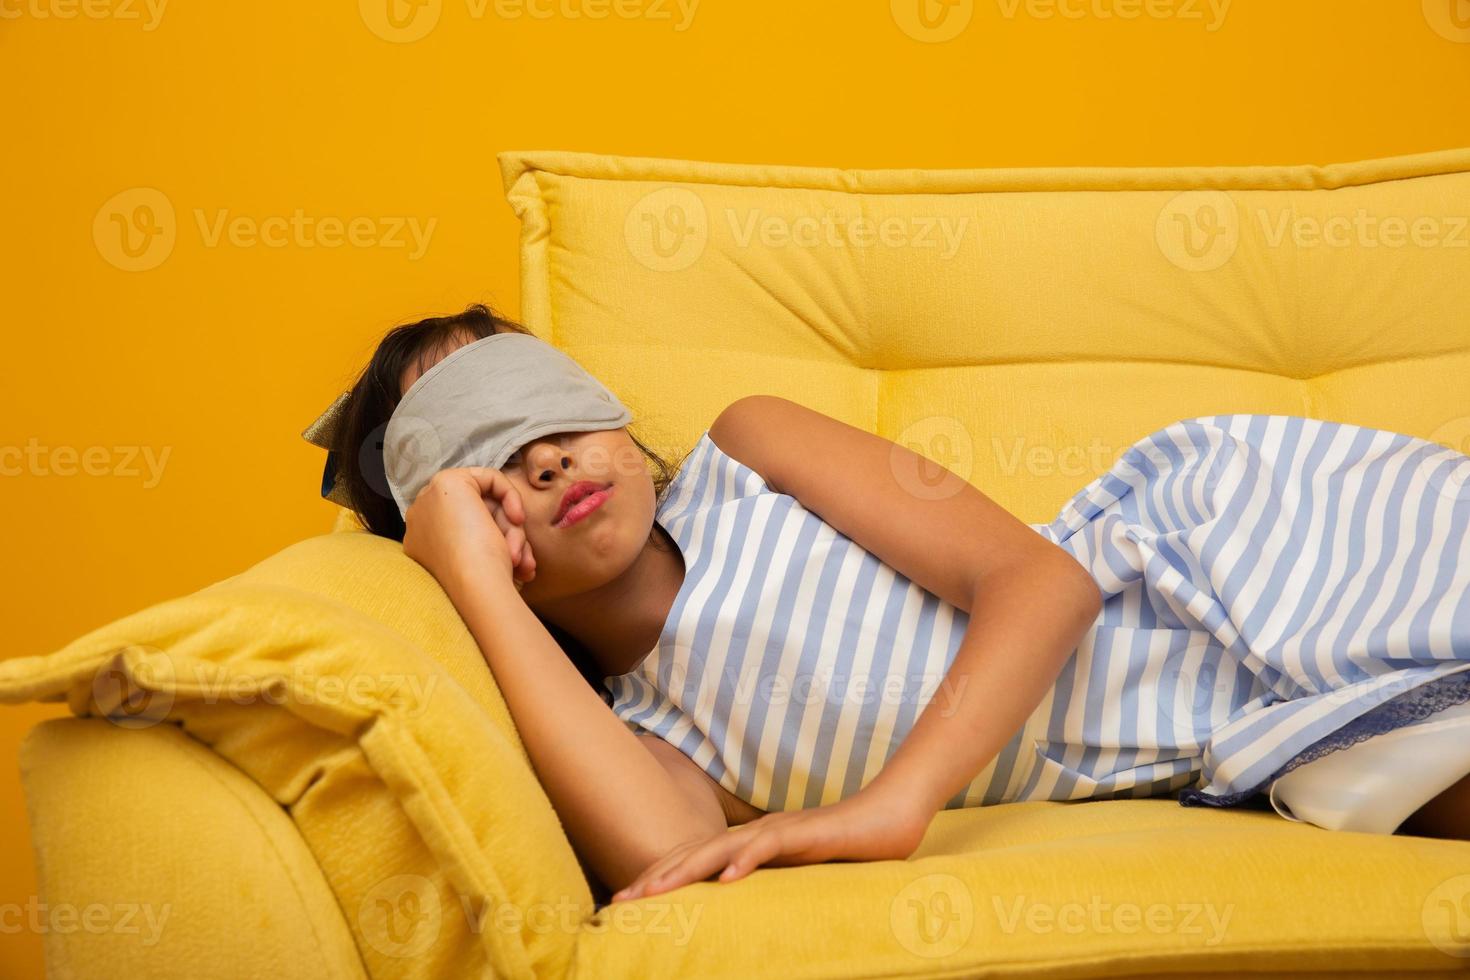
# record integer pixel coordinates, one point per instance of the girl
(1234, 609)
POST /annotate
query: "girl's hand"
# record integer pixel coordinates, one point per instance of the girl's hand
(466, 522)
(859, 828)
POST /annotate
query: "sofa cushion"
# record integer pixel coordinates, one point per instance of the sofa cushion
(225, 865)
(317, 673)
(1090, 889)
(1022, 327)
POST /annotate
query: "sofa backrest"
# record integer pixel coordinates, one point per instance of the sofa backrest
(1022, 327)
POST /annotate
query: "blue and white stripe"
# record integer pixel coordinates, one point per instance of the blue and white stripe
(1267, 579)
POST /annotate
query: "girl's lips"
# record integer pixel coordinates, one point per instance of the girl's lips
(585, 506)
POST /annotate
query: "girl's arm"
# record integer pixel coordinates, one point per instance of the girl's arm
(1029, 602)
(622, 807)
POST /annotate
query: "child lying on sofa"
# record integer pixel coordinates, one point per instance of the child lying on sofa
(818, 638)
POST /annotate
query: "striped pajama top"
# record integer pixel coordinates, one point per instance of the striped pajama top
(1270, 582)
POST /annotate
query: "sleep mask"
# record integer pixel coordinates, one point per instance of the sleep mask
(483, 402)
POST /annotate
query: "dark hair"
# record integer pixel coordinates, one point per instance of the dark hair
(358, 443)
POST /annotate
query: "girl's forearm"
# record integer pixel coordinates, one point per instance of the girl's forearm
(617, 801)
(1022, 627)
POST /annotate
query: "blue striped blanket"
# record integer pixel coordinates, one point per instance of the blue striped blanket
(1275, 587)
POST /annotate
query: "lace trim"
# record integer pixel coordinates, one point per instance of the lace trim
(1405, 709)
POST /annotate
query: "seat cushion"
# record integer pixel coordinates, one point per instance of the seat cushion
(1090, 889)
(337, 675)
(224, 867)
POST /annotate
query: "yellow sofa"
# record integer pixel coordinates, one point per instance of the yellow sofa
(306, 770)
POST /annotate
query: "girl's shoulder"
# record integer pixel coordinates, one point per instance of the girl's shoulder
(708, 477)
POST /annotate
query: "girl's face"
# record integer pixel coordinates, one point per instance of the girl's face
(599, 546)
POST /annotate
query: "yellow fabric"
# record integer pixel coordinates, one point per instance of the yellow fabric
(1069, 318)
(228, 880)
(1047, 889)
(1068, 321)
(412, 792)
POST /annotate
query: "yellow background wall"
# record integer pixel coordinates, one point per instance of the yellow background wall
(224, 346)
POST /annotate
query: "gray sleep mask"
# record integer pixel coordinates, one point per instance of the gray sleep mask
(486, 400)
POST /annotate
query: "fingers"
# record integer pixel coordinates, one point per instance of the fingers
(522, 559)
(495, 484)
(693, 862)
(638, 886)
(761, 849)
(503, 507)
